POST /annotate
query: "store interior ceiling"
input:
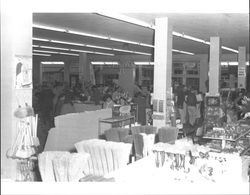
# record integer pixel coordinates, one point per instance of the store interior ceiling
(233, 29)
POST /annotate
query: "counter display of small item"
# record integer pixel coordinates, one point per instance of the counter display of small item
(133, 110)
(213, 112)
(233, 137)
(189, 162)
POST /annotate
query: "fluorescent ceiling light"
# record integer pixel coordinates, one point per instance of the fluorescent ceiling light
(70, 54)
(35, 45)
(147, 25)
(130, 51)
(49, 28)
(127, 19)
(58, 48)
(177, 34)
(146, 45)
(90, 35)
(86, 34)
(40, 54)
(122, 50)
(40, 39)
(111, 63)
(142, 53)
(107, 54)
(233, 63)
(97, 63)
(193, 38)
(229, 49)
(67, 43)
(144, 63)
(53, 52)
(43, 51)
(98, 47)
(104, 63)
(184, 52)
(100, 53)
(224, 63)
(92, 46)
(53, 62)
(83, 51)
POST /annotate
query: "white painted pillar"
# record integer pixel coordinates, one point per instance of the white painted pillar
(242, 68)
(84, 68)
(162, 71)
(203, 73)
(127, 76)
(214, 66)
(16, 40)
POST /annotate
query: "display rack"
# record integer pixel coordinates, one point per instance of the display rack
(224, 139)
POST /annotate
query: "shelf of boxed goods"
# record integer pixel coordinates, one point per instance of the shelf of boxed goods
(225, 136)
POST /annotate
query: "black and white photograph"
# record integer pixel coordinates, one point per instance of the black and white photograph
(125, 97)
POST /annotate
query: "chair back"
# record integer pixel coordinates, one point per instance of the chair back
(168, 134)
(138, 144)
(149, 129)
(112, 135)
(136, 130)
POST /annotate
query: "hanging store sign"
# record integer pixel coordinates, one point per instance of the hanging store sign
(241, 71)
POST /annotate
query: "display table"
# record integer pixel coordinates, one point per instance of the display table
(116, 121)
(145, 171)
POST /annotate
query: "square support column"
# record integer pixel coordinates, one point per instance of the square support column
(242, 68)
(214, 66)
(162, 71)
(84, 68)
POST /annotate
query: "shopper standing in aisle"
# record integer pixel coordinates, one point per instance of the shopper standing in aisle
(45, 114)
(191, 107)
(180, 103)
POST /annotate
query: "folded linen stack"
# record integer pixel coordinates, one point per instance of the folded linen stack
(62, 166)
(105, 156)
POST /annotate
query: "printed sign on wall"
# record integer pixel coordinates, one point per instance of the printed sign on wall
(23, 72)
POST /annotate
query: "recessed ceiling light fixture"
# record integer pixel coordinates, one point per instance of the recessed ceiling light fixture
(53, 52)
(151, 26)
(49, 27)
(104, 63)
(70, 54)
(67, 43)
(52, 62)
(144, 63)
(229, 49)
(99, 47)
(90, 35)
(58, 48)
(40, 54)
(43, 51)
(126, 19)
(91, 46)
(232, 63)
(183, 52)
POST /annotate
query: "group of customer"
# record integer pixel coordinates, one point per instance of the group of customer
(190, 105)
